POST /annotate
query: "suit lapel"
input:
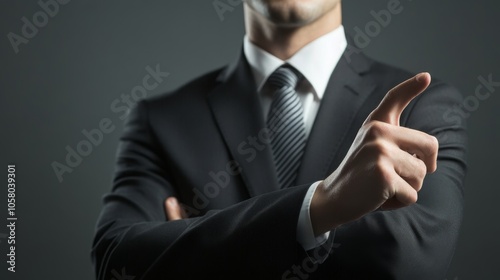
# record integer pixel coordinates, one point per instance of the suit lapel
(238, 114)
(347, 90)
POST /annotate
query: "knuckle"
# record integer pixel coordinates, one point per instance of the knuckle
(419, 168)
(421, 172)
(381, 148)
(435, 143)
(376, 151)
(412, 199)
(375, 129)
(418, 185)
(432, 144)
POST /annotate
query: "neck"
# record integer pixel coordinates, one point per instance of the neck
(284, 41)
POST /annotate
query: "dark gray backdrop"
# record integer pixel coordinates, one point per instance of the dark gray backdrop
(65, 78)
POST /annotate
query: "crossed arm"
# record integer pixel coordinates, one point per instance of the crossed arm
(384, 169)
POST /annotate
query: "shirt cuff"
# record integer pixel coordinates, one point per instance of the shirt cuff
(305, 233)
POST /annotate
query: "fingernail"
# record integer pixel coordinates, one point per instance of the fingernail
(172, 201)
(420, 76)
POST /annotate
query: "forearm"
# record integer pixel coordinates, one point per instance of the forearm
(256, 235)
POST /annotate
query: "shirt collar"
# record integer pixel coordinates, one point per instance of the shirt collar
(316, 61)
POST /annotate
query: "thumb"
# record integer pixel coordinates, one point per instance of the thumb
(395, 101)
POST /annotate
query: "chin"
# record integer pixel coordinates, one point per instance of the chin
(292, 13)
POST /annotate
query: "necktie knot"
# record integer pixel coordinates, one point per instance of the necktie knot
(284, 76)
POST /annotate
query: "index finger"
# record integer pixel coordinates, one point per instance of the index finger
(395, 101)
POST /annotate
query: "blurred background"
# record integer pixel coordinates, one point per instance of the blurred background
(77, 66)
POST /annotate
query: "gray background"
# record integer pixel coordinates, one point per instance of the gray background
(65, 78)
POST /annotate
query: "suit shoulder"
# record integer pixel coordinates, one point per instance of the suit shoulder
(395, 75)
(390, 73)
(192, 90)
(427, 109)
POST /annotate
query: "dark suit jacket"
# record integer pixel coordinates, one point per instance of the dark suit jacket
(201, 144)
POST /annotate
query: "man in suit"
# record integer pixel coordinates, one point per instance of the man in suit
(297, 161)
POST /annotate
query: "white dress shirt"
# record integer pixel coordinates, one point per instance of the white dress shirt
(315, 62)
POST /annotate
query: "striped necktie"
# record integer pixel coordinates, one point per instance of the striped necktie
(286, 125)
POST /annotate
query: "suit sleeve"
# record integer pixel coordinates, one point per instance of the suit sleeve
(415, 242)
(255, 238)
